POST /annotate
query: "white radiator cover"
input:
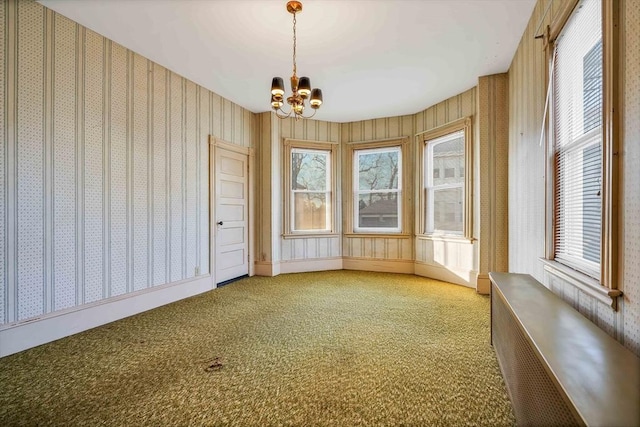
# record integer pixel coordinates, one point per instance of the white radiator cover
(533, 394)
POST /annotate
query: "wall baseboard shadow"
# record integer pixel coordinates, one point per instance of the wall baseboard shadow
(270, 269)
(379, 265)
(466, 278)
(308, 265)
(30, 333)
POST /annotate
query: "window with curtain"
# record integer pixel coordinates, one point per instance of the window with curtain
(377, 189)
(578, 140)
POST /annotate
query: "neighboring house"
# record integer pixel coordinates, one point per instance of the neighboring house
(380, 213)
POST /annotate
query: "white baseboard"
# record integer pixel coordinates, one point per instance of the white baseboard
(460, 277)
(33, 332)
(379, 265)
(307, 265)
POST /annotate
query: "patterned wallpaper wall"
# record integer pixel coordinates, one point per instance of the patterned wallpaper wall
(262, 231)
(526, 172)
(493, 131)
(630, 182)
(104, 166)
(272, 248)
(455, 255)
(313, 247)
(381, 248)
(104, 169)
(447, 111)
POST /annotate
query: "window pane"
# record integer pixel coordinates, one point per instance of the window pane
(448, 210)
(379, 210)
(592, 88)
(378, 170)
(309, 171)
(578, 74)
(449, 156)
(578, 205)
(444, 192)
(310, 211)
(591, 206)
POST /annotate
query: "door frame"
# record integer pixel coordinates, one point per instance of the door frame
(214, 145)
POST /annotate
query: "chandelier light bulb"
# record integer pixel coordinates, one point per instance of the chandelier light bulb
(276, 102)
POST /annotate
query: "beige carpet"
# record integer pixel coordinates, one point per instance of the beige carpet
(333, 348)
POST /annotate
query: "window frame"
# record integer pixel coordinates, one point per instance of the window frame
(605, 287)
(464, 124)
(404, 189)
(356, 192)
(290, 145)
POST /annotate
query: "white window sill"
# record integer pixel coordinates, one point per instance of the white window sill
(445, 238)
(384, 234)
(584, 283)
(309, 235)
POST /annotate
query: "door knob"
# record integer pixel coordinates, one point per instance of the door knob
(219, 222)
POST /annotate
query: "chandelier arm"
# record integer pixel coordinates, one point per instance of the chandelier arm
(308, 117)
(283, 115)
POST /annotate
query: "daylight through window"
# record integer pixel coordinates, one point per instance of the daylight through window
(378, 189)
(577, 148)
(310, 190)
(444, 193)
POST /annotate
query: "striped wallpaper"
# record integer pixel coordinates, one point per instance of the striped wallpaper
(312, 247)
(104, 170)
(459, 256)
(387, 248)
(273, 249)
(104, 166)
(526, 172)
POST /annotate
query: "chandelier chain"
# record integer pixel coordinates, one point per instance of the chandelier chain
(294, 43)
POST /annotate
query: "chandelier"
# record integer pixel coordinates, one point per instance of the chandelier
(300, 87)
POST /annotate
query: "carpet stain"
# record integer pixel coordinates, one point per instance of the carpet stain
(214, 364)
(337, 348)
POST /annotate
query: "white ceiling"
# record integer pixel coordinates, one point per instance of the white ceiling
(371, 58)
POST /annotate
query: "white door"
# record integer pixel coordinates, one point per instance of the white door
(231, 214)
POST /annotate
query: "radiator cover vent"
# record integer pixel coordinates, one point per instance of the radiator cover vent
(535, 397)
